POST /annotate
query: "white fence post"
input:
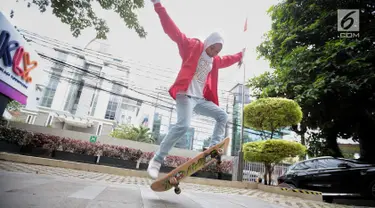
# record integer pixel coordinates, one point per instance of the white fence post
(254, 170)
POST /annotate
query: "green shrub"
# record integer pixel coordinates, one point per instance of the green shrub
(272, 152)
(272, 113)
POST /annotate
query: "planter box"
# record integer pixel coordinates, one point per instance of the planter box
(224, 176)
(11, 148)
(115, 162)
(166, 169)
(143, 166)
(61, 155)
(201, 174)
(36, 151)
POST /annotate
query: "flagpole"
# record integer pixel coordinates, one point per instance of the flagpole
(241, 154)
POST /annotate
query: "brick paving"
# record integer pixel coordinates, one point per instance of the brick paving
(197, 193)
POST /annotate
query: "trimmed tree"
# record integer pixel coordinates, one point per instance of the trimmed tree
(272, 114)
(271, 153)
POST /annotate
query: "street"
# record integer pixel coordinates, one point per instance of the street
(23, 185)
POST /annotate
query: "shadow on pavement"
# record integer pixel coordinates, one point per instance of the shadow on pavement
(355, 202)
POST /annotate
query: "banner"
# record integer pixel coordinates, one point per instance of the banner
(19, 66)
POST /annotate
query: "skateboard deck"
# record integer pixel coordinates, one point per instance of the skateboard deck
(190, 167)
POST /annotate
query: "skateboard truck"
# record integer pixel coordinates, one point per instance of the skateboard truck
(217, 155)
(174, 182)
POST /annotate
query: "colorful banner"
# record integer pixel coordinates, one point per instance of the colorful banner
(19, 65)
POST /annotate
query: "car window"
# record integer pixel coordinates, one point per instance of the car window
(305, 165)
(328, 163)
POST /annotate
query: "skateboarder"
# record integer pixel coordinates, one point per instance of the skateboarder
(195, 87)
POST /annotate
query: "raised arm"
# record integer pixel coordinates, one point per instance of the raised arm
(229, 60)
(170, 27)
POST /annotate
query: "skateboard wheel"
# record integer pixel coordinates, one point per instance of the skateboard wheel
(220, 151)
(173, 180)
(177, 190)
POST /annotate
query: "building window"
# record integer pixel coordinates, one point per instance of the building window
(114, 101)
(99, 130)
(50, 90)
(29, 119)
(49, 120)
(111, 110)
(74, 93)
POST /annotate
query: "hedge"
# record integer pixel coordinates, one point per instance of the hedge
(51, 143)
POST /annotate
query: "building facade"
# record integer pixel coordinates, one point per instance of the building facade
(86, 88)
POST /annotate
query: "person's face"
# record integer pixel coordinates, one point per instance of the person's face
(214, 49)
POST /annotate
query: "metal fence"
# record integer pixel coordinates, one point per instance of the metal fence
(254, 170)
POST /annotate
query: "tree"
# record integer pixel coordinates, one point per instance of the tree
(332, 78)
(129, 132)
(124, 132)
(272, 114)
(271, 153)
(80, 14)
(143, 134)
(14, 106)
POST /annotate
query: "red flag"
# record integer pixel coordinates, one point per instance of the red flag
(245, 27)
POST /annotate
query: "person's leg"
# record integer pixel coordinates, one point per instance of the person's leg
(209, 109)
(184, 107)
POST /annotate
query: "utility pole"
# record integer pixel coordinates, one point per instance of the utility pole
(227, 111)
(240, 155)
(156, 103)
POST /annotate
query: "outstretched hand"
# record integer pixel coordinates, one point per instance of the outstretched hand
(243, 55)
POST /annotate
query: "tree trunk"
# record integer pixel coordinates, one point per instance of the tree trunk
(366, 146)
(332, 145)
(268, 174)
(303, 139)
(265, 177)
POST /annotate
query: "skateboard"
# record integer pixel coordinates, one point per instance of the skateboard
(173, 178)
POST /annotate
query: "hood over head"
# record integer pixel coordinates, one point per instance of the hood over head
(213, 38)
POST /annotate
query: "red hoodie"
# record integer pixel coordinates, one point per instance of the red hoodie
(190, 50)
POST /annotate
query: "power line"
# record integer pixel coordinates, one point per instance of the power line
(98, 76)
(76, 82)
(142, 75)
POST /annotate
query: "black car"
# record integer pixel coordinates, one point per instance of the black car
(334, 177)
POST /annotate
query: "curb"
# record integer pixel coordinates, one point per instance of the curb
(304, 194)
(300, 193)
(115, 171)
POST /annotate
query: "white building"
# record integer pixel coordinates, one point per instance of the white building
(86, 90)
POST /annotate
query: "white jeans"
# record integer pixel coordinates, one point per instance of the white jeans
(185, 106)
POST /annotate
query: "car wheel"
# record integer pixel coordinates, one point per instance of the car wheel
(372, 190)
(328, 199)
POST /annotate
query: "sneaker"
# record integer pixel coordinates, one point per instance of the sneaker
(153, 168)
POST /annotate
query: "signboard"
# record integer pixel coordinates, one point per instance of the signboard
(93, 139)
(19, 71)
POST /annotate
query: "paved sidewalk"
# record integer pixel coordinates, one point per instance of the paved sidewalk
(24, 185)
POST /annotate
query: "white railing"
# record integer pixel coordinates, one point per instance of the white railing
(254, 170)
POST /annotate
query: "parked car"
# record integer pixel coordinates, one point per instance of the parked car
(334, 177)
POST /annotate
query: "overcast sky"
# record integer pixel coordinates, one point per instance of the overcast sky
(195, 18)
